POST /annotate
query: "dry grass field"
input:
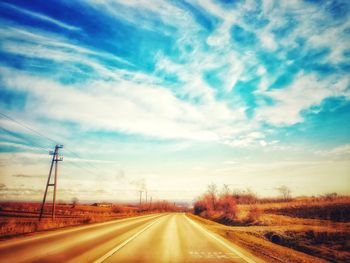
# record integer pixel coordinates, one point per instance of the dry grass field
(300, 230)
(17, 218)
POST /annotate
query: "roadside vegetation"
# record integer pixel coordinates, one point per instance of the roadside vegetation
(274, 228)
(18, 218)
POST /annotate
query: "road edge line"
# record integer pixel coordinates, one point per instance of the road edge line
(114, 250)
(249, 260)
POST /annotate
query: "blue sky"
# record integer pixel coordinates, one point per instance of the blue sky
(173, 95)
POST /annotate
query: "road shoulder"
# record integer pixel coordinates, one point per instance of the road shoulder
(258, 249)
(243, 253)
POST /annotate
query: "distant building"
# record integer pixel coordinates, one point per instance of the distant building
(103, 204)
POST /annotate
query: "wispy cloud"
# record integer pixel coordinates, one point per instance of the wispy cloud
(306, 91)
(39, 16)
(26, 176)
(340, 151)
(151, 111)
(141, 82)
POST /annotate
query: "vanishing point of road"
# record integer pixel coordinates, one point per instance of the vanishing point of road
(153, 238)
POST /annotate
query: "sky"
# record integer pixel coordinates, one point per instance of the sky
(170, 96)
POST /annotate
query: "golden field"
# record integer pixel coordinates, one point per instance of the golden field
(299, 230)
(17, 218)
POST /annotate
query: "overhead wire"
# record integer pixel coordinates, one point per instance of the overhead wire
(79, 157)
(80, 167)
(26, 126)
(14, 134)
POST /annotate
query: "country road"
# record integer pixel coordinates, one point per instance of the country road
(151, 238)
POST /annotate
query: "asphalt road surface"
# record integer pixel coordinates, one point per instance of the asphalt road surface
(152, 238)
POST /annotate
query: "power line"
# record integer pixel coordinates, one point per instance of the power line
(27, 127)
(79, 157)
(81, 167)
(41, 135)
(23, 138)
(45, 149)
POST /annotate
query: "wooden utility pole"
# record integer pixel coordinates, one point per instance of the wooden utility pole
(54, 162)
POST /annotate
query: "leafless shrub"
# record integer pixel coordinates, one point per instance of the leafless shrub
(254, 214)
(285, 192)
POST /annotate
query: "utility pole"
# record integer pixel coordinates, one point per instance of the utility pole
(146, 197)
(140, 197)
(54, 162)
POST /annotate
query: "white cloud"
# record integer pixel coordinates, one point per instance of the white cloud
(78, 160)
(339, 151)
(139, 103)
(267, 40)
(164, 115)
(58, 55)
(34, 43)
(18, 146)
(158, 16)
(251, 139)
(41, 17)
(125, 106)
(136, 103)
(304, 92)
(334, 39)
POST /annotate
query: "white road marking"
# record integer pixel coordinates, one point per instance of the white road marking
(235, 251)
(205, 254)
(114, 250)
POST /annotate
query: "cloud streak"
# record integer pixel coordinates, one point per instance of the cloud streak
(39, 16)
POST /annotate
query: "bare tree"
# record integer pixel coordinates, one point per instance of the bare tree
(225, 190)
(330, 196)
(212, 191)
(285, 192)
(75, 201)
